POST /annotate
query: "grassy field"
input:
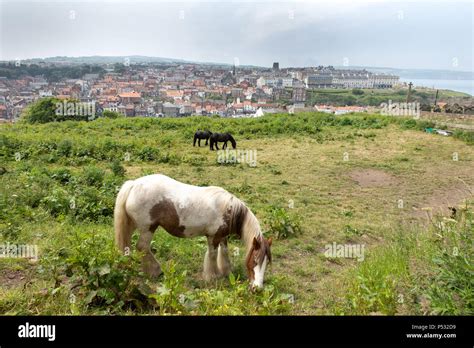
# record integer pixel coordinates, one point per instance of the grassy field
(375, 97)
(377, 182)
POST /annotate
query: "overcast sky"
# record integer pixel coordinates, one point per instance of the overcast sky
(416, 34)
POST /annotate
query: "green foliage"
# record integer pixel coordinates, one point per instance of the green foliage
(148, 153)
(451, 291)
(65, 148)
(61, 195)
(43, 111)
(52, 73)
(283, 224)
(465, 136)
(51, 109)
(62, 175)
(411, 123)
(236, 298)
(374, 289)
(111, 114)
(102, 276)
(445, 254)
(374, 97)
(93, 176)
(57, 202)
(117, 168)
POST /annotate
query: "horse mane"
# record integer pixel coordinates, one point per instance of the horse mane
(240, 219)
(244, 223)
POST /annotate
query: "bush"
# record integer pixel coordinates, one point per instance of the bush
(93, 176)
(111, 114)
(148, 153)
(106, 278)
(57, 202)
(65, 148)
(45, 110)
(283, 224)
(117, 168)
(93, 205)
(62, 175)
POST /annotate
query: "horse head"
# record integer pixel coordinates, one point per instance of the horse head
(258, 258)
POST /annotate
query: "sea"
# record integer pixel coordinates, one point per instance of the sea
(466, 86)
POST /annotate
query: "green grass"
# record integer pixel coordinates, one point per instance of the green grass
(374, 97)
(60, 192)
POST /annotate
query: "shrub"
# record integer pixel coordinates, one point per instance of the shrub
(111, 114)
(93, 176)
(106, 278)
(65, 148)
(57, 202)
(62, 175)
(148, 153)
(92, 204)
(44, 110)
(117, 168)
(283, 224)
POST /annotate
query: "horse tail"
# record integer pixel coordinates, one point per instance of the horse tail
(232, 140)
(122, 223)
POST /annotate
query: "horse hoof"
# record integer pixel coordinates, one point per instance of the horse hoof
(210, 277)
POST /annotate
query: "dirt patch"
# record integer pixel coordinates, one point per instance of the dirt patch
(372, 178)
(440, 201)
(12, 278)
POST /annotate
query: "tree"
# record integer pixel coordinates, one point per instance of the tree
(55, 110)
(43, 111)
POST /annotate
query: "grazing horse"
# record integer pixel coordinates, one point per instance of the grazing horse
(189, 211)
(201, 135)
(222, 137)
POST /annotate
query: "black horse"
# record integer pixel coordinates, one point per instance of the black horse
(221, 137)
(201, 135)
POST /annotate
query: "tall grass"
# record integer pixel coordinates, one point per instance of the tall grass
(430, 270)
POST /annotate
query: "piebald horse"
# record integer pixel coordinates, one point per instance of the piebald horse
(188, 211)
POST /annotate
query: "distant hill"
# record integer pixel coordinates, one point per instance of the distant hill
(430, 74)
(121, 59)
(104, 59)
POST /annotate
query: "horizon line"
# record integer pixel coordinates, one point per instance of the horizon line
(186, 61)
